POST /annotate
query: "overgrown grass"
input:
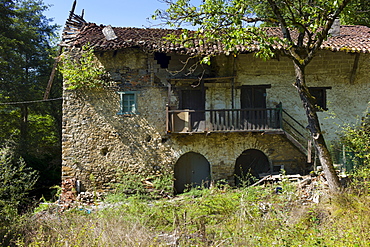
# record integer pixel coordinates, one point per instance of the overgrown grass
(219, 216)
(250, 217)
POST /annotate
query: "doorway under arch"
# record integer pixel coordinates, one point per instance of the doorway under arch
(249, 165)
(191, 169)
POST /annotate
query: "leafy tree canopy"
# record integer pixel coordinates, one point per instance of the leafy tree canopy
(358, 13)
(25, 48)
(26, 58)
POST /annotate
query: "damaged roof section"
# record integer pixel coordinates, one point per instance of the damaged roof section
(78, 32)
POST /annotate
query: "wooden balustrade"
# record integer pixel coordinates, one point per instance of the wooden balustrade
(185, 121)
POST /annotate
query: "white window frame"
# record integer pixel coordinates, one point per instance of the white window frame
(131, 108)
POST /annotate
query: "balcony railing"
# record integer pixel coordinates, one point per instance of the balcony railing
(224, 120)
(274, 120)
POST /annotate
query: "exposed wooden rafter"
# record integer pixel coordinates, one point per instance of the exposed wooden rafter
(72, 27)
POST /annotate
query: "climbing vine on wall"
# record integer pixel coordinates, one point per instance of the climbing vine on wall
(82, 70)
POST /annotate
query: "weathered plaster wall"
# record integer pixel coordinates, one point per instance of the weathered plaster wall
(328, 69)
(99, 145)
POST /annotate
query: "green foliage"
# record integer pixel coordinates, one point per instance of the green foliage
(26, 59)
(219, 216)
(24, 50)
(143, 187)
(358, 13)
(356, 139)
(16, 181)
(9, 123)
(360, 180)
(82, 70)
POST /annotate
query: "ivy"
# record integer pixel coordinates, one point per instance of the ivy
(82, 70)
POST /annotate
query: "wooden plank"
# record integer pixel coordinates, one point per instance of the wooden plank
(261, 180)
(228, 121)
(69, 36)
(52, 75)
(74, 23)
(167, 120)
(309, 151)
(73, 7)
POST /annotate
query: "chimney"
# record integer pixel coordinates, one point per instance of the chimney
(335, 28)
(109, 33)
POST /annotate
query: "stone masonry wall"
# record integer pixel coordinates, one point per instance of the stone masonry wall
(100, 146)
(222, 150)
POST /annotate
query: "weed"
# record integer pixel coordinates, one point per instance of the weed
(218, 216)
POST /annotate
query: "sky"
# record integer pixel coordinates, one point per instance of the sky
(117, 13)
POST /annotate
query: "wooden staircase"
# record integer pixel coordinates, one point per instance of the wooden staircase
(298, 135)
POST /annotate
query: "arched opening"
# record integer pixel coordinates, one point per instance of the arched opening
(191, 169)
(249, 165)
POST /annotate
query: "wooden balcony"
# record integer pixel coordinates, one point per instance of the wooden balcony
(224, 120)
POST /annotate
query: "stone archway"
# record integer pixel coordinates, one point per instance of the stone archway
(249, 165)
(191, 169)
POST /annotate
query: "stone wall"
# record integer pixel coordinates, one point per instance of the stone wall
(100, 146)
(222, 150)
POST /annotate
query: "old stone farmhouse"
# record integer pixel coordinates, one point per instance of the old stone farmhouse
(240, 114)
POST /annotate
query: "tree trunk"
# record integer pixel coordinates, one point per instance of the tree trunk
(314, 128)
(23, 130)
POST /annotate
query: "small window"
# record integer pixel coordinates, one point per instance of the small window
(128, 103)
(320, 95)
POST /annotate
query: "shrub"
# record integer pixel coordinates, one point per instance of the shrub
(16, 180)
(357, 141)
(82, 70)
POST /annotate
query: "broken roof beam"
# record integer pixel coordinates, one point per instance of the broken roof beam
(73, 8)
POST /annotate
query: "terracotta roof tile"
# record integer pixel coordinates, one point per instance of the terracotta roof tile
(351, 39)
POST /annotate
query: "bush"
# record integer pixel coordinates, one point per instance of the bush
(16, 181)
(82, 70)
(357, 141)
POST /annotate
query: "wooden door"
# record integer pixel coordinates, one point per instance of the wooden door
(191, 170)
(194, 100)
(254, 99)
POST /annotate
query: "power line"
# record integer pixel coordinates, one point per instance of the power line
(29, 102)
